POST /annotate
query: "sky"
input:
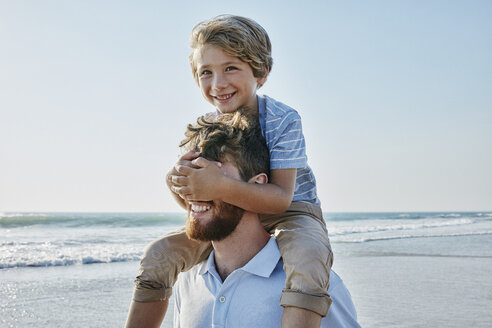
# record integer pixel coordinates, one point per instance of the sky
(395, 99)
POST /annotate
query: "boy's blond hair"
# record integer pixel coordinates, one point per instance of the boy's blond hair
(237, 36)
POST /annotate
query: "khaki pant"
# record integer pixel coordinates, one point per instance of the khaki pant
(303, 242)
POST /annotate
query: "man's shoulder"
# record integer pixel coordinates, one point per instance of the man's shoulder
(196, 272)
(192, 283)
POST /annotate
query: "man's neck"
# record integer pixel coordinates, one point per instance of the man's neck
(240, 246)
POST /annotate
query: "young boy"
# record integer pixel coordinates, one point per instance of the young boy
(230, 60)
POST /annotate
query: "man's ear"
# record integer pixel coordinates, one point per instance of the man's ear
(259, 178)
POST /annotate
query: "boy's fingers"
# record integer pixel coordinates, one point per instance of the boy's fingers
(178, 180)
(187, 163)
(202, 162)
(182, 191)
(184, 162)
(183, 169)
(191, 155)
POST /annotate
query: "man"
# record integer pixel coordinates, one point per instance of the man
(240, 283)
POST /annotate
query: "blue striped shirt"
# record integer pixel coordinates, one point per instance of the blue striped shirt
(281, 126)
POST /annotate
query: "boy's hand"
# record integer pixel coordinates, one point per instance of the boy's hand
(198, 180)
(173, 177)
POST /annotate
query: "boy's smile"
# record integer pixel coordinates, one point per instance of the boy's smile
(226, 81)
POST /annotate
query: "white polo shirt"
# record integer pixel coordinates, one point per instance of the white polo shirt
(249, 297)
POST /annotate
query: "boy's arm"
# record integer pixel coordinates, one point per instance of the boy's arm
(269, 198)
(209, 183)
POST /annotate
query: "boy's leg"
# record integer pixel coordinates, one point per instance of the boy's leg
(303, 242)
(146, 314)
(296, 317)
(163, 260)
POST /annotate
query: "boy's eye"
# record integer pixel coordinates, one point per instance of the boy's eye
(205, 72)
(230, 68)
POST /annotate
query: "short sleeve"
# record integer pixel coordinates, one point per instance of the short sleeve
(288, 148)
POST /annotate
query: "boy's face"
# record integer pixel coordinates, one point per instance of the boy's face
(226, 81)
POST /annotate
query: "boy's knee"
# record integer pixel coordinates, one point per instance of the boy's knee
(157, 251)
(167, 249)
(303, 246)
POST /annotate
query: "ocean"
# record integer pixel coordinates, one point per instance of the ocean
(402, 269)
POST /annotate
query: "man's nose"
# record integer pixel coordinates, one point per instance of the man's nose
(219, 81)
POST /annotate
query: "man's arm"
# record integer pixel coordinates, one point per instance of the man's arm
(146, 314)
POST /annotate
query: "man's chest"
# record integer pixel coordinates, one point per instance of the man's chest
(249, 301)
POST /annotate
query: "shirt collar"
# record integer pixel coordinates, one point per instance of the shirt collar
(265, 261)
(208, 265)
(261, 265)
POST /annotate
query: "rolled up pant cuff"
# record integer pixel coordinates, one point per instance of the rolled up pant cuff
(318, 303)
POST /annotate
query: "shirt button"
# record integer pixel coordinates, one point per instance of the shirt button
(222, 299)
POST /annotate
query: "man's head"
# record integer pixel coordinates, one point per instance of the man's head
(237, 36)
(235, 140)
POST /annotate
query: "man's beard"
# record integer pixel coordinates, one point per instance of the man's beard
(225, 219)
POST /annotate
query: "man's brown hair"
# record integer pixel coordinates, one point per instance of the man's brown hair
(234, 137)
